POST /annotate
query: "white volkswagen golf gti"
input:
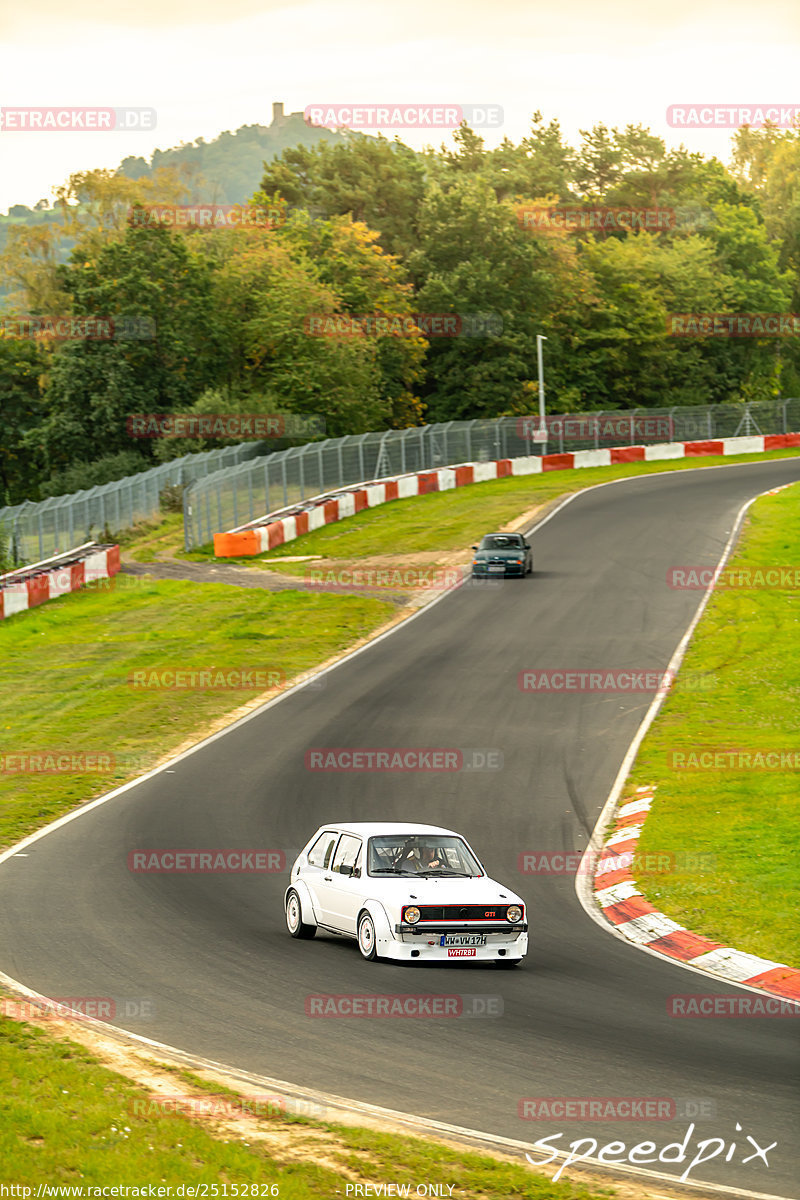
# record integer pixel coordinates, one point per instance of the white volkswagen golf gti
(404, 891)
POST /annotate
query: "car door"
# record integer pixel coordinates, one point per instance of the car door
(344, 892)
(316, 871)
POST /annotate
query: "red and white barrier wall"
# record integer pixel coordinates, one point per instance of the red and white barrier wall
(278, 528)
(33, 585)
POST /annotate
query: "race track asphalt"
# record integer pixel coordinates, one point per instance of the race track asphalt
(585, 1015)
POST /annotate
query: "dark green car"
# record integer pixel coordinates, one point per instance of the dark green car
(502, 554)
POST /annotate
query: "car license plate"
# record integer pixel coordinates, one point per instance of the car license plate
(462, 939)
(499, 569)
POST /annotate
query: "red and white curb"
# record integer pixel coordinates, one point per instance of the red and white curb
(54, 577)
(625, 907)
(275, 529)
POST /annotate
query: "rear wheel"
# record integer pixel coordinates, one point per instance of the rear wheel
(505, 964)
(366, 937)
(294, 918)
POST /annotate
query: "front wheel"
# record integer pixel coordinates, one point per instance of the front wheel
(294, 918)
(366, 937)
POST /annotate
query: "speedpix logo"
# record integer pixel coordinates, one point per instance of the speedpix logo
(648, 1152)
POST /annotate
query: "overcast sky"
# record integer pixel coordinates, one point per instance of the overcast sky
(206, 67)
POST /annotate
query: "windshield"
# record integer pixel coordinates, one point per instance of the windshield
(501, 541)
(421, 854)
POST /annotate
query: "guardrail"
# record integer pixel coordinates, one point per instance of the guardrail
(275, 529)
(229, 498)
(35, 529)
(33, 585)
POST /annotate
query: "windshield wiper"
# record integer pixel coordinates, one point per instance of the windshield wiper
(446, 874)
(391, 871)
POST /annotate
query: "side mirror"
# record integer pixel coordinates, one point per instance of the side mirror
(344, 869)
(473, 547)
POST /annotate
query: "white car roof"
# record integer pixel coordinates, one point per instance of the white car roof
(375, 828)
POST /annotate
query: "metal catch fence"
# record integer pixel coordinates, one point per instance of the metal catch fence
(32, 531)
(237, 495)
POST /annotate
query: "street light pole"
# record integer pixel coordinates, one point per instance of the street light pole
(542, 426)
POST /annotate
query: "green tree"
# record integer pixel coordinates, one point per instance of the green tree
(21, 406)
(162, 354)
(474, 259)
(373, 180)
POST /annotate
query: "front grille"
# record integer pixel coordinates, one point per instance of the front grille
(462, 912)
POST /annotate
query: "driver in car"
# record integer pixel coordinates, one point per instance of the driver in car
(426, 859)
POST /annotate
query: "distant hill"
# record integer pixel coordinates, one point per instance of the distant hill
(232, 165)
(228, 169)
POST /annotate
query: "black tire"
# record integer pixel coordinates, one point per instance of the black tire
(294, 918)
(367, 941)
(505, 964)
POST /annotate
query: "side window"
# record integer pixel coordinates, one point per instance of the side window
(320, 853)
(346, 852)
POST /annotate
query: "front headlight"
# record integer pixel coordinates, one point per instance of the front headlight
(513, 913)
(411, 915)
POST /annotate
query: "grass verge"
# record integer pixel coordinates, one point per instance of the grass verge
(746, 892)
(89, 674)
(68, 1120)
